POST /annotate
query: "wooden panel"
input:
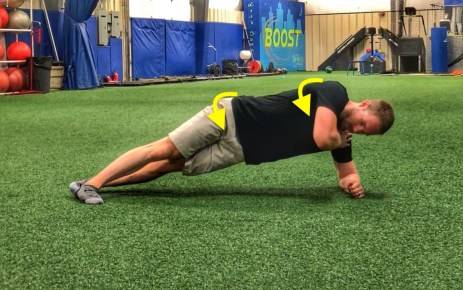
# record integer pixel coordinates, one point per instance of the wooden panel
(358, 50)
(360, 20)
(345, 27)
(330, 33)
(326, 32)
(338, 37)
(352, 23)
(224, 15)
(316, 43)
(383, 46)
(375, 20)
(309, 42)
(324, 49)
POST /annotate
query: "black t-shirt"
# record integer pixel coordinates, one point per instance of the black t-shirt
(271, 128)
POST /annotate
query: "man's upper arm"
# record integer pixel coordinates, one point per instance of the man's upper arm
(325, 131)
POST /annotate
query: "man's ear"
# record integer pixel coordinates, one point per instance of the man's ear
(365, 104)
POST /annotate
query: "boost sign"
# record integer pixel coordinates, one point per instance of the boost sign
(276, 32)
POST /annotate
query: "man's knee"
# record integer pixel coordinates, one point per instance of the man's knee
(164, 149)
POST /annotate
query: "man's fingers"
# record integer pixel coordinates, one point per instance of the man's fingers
(358, 194)
(357, 191)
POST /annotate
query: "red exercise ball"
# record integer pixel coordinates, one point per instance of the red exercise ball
(17, 78)
(4, 17)
(10, 70)
(254, 66)
(2, 51)
(18, 50)
(4, 81)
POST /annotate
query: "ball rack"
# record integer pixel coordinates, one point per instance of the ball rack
(30, 63)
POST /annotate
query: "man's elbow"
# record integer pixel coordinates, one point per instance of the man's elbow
(329, 142)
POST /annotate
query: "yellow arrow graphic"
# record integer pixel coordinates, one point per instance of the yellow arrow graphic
(303, 102)
(218, 115)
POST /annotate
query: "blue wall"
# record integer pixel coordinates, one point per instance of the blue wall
(162, 47)
(148, 48)
(180, 48)
(226, 38)
(108, 58)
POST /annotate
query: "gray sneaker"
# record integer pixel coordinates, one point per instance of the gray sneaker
(88, 194)
(75, 186)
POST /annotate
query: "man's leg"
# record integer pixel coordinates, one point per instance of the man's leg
(149, 172)
(125, 165)
(192, 136)
(134, 160)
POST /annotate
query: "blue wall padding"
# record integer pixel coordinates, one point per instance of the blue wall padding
(180, 48)
(103, 61)
(148, 47)
(226, 38)
(182, 45)
(108, 57)
(116, 55)
(205, 34)
(439, 47)
(228, 41)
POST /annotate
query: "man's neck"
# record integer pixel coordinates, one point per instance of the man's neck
(350, 106)
(345, 114)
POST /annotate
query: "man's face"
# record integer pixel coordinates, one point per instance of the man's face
(360, 121)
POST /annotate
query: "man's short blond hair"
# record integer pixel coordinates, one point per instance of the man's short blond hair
(383, 110)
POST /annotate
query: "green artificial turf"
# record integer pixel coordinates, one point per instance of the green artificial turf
(283, 225)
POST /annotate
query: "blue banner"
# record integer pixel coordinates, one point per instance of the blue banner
(453, 2)
(276, 32)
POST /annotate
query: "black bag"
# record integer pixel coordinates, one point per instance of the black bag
(230, 67)
(214, 69)
(42, 73)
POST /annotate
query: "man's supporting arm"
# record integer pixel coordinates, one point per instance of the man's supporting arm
(349, 179)
(325, 131)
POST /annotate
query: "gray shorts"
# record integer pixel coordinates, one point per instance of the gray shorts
(204, 145)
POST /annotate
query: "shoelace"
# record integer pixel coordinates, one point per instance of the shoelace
(90, 190)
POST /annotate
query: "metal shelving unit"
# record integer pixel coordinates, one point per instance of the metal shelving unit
(14, 30)
(17, 31)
